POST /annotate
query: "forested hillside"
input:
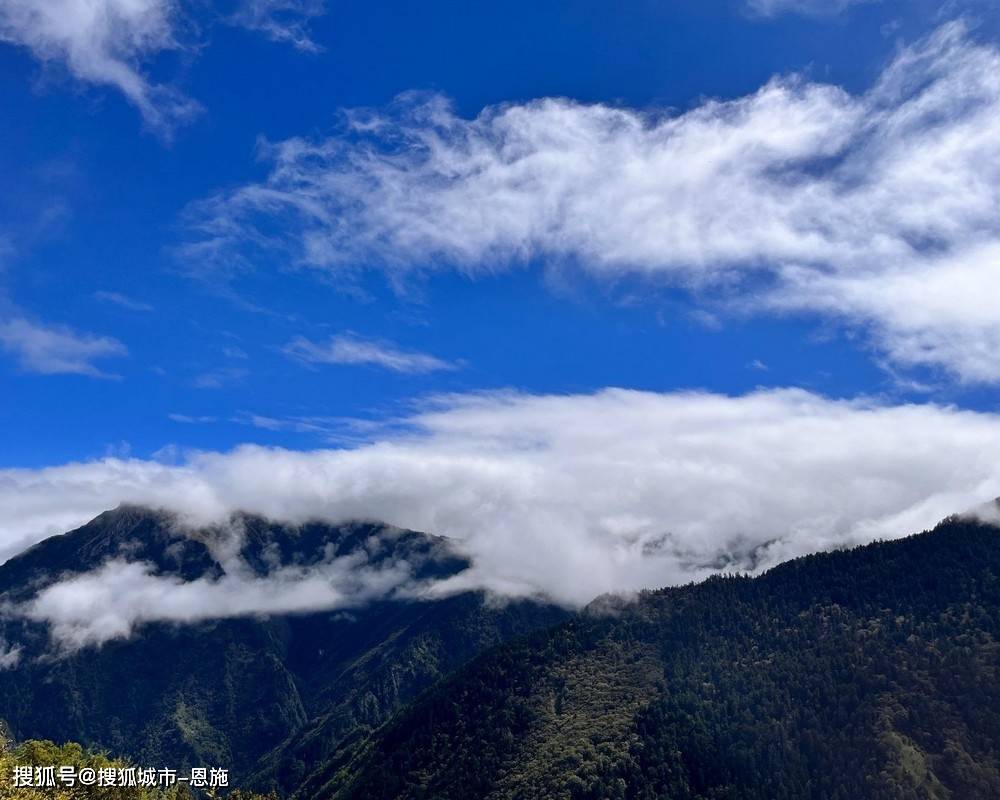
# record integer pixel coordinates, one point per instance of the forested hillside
(871, 673)
(266, 698)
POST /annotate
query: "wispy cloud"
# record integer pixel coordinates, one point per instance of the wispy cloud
(112, 42)
(319, 425)
(238, 353)
(351, 349)
(104, 42)
(580, 494)
(281, 20)
(881, 209)
(10, 655)
(771, 8)
(218, 378)
(122, 300)
(56, 349)
(186, 419)
(343, 431)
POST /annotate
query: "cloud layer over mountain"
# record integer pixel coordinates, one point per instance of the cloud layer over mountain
(566, 495)
(111, 602)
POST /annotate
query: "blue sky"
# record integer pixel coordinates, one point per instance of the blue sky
(97, 214)
(416, 250)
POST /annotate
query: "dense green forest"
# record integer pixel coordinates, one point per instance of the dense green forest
(871, 673)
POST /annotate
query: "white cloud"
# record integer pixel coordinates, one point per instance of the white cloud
(56, 349)
(799, 197)
(122, 300)
(350, 349)
(339, 431)
(318, 425)
(110, 602)
(772, 8)
(280, 20)
(219, 378)
(10, 656)
(577, 495)
(234, 352)
(112, 42)
(186, 419)
(104, 42)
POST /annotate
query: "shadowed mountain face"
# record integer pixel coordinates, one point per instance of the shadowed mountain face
(270, 696)
(873, 673)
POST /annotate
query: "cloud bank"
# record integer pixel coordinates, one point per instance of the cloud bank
(570, 496)
(881, 210)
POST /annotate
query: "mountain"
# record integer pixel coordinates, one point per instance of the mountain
(266, 697)
(870, 673)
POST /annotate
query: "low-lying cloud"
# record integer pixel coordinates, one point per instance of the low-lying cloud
(112, 42)
(112, 601)
(568, 496)
(880, 209)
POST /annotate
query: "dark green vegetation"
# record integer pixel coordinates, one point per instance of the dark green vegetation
(35, 754)
(871, 673)
(269, 699)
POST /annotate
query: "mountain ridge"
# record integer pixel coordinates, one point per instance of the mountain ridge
(864, 673)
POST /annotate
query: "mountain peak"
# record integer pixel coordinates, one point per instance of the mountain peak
(159, 537)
